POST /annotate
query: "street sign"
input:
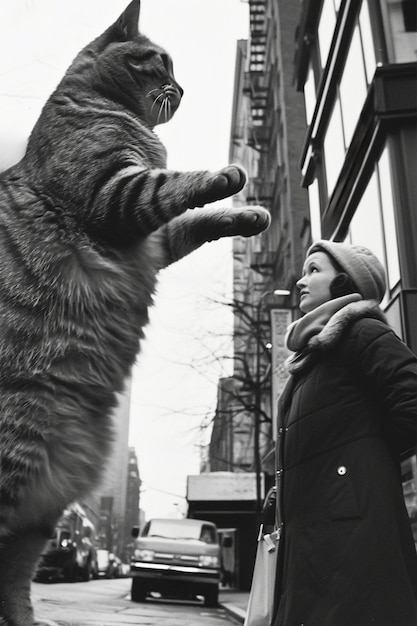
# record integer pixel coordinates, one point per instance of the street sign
(223, 486)
(280, 319)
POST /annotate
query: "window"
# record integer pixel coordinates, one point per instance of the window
(399, 20)
(334, 148)
(310, 95)
(409, 9)
(315, 216)
(353, 87)
(393, 264)
(373, 224)
(366, 225)
(325, 30)
(367, 42)
(208, 534)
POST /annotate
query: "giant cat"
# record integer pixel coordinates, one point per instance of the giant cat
(87, 219)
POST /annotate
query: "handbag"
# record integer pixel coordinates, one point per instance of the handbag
(261, 597)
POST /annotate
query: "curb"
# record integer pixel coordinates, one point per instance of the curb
(235, 612)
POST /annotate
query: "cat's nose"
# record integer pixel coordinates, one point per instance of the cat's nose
(181, 90)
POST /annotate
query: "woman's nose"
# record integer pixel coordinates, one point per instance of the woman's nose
(300, 283)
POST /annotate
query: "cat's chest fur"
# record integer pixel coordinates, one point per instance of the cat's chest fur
(73, 296)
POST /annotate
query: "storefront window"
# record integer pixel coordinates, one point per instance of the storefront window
(353, 87)
(334, 147)
(325, 30)
(367, 42)
(390, 231)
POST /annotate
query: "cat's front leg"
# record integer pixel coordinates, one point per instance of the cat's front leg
(194, 228)
(135, 202)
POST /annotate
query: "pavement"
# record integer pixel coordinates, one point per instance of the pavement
(235, 603)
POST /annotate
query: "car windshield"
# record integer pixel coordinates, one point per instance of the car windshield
(176, 529)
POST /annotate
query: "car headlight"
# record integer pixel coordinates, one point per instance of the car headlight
(208, 561)
(144, 555)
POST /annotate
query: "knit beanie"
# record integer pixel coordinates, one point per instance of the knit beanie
(359, 263)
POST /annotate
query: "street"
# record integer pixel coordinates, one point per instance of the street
(107, 603)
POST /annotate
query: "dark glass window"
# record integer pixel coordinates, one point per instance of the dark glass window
(409, 8)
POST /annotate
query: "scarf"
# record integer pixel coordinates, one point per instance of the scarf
(321, 328)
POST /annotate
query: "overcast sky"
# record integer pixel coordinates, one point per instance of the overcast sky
(174, 385)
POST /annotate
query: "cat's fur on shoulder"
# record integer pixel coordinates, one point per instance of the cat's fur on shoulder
(87, 219)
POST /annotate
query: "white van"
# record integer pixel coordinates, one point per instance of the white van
(176, 557)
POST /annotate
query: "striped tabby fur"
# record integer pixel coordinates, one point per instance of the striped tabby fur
(87, 219)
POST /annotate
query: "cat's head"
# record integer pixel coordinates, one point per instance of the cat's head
(127, 67)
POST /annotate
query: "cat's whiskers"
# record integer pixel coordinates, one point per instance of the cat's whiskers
(149, 94)
(161, 95)
(160, 110)
(168, 111)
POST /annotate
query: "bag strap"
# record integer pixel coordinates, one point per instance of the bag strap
(270, 539)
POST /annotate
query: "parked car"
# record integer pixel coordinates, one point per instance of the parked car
(176, 557)
(108, 565)
(70, 553)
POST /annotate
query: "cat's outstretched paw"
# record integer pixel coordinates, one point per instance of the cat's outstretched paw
(222, 184)
(244, 221)
(250, 220)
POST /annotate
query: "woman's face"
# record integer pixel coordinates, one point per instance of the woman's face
(314, 285)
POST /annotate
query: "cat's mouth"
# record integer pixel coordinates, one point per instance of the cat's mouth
(165, 101)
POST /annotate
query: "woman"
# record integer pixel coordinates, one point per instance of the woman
(348, 413)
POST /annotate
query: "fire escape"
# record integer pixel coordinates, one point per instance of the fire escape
(256, 88)
(259, 188)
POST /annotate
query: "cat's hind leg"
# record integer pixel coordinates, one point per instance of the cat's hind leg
(19, 552)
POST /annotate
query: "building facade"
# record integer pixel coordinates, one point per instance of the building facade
(356, 63)
(324, 120)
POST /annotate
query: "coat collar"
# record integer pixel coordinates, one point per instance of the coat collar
(330, 332)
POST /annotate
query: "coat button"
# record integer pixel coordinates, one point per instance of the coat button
(341, 470)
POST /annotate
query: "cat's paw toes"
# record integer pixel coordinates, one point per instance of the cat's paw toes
(245, 221)
(233, 177)
(251, 220)
(221, 184)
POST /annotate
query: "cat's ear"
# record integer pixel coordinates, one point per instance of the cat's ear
(127, 24)
(123, 29)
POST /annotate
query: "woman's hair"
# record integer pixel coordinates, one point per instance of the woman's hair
(342, 284)
(359, 263)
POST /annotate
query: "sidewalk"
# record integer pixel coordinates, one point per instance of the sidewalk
(235, 603)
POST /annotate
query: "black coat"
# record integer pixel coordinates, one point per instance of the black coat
(347, 555)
